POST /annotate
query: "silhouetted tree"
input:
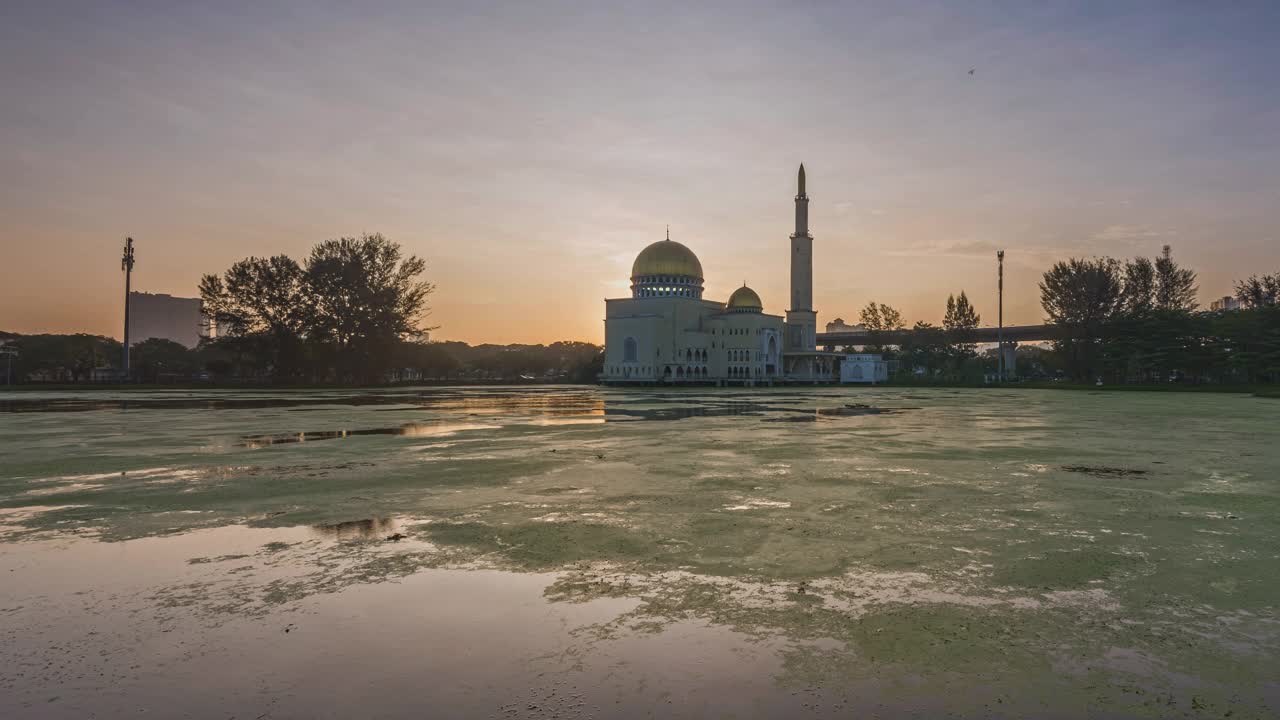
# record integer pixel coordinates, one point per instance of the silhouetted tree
(925, 352)
(1259, 291)
(959, 319)
(61, 358)
(362, 298)
(154, 358)
(880, 317)
(1175, 289)
(1081, 296)
(1139, 288)
(262, 306)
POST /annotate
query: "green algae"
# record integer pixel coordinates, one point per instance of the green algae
(947, 542)
(548, 545)
(1065, 569)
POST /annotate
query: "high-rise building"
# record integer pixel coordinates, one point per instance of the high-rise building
(157, 315)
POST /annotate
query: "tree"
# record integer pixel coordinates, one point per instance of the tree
(341, 316)
(62, 358)
(1081, 296)
(960, 314)
(959, 320)
(880, 318)
(1175, 287)
(155, 357)
(256, 296)
(1139, 287)
(362, 298)
(926, 351)
(261, 305)
(1259, 291)
(1081, 293)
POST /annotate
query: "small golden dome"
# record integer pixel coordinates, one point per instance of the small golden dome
(745, 299)
(666, 257)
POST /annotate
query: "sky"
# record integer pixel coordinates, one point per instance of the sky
(529, 150)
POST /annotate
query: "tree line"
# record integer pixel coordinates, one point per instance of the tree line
(350, 313)
(1132, 321)
(81, 358)
(341, 315)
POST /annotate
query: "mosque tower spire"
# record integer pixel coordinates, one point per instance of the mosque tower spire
(801, 319)
(801, 251)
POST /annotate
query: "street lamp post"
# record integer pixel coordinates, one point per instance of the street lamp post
(126, 265)
(1000, 312)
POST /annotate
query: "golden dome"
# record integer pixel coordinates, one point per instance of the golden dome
(666, 257)
(744, 299)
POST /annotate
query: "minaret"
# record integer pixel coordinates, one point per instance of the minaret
(802, 321)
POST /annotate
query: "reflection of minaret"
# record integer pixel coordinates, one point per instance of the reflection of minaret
(801, 319)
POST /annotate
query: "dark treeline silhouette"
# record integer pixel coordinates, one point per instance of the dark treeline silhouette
(343, 315)
(1137, 322)
(349, 314)
(96, 359)
(1129, 322)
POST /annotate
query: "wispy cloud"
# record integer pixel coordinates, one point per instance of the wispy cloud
(946, 248)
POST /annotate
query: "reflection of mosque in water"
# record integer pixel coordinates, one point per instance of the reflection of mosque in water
(783, 408)
(666, 332)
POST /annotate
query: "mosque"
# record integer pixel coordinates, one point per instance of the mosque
(668, 333)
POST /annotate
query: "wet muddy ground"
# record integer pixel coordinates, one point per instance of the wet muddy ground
(579, 552)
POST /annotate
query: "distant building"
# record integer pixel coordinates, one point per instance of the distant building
(838, 325)
(864, 368)
(156, 315)
(1225, 303)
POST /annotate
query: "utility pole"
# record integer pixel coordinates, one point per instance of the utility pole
(10, 351)
(1000, 312)
(126, 265)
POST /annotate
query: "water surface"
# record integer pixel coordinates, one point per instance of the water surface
(581, 552)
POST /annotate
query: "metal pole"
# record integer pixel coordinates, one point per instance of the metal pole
(126, 264)
(1000, 313)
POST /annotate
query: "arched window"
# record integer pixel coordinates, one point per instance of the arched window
(629, 350)
(688, 354)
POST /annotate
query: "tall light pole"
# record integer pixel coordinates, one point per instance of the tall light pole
(10, 351)
(126, 265)
(1000, 312)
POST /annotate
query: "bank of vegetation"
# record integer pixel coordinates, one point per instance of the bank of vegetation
(1133, 323)
(350, 313)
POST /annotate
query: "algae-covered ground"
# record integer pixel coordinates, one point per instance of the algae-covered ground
(575, 552)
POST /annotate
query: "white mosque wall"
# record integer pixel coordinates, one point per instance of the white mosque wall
(670, 339)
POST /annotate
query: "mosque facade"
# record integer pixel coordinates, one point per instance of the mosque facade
(668, 333)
